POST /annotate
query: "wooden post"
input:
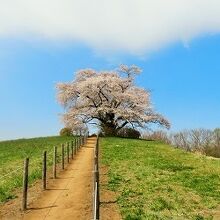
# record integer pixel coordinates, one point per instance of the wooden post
(97, 153)
(55, 162)
(72, 149)
(97, 195)
(44, 171)
(25, 184)
(62, 156)
(75, 146)
(67, 151)
(77, 143)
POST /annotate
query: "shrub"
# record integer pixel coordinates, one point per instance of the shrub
(156, 136)
(128, 133)
(93, 135)
(101, 134)
(66, 132)
(213, 151)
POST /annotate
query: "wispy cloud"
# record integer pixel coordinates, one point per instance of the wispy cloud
(135, 26)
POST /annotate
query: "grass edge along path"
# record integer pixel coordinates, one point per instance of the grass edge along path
(156, 181)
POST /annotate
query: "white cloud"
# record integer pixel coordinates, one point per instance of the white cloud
(126, 25)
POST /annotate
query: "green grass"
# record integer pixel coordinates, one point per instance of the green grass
(12, 154)
(155, 181)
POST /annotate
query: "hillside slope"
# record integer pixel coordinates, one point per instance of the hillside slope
(155, 181)
(12, 155)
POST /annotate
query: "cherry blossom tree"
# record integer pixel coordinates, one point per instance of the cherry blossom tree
(108, 99)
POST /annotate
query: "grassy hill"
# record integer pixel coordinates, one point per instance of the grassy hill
(12, 154)
(155, 181)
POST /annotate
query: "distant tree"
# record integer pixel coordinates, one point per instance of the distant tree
(217, 137)
(107, 99)
(200, 140)
(66, 132)
(158, 135)
(217, 131)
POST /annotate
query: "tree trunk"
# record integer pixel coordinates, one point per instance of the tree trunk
(109, 129)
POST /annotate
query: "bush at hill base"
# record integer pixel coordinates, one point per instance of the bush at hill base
(66, 132)
(128, 133)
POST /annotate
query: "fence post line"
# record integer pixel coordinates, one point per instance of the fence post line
(55, 162)
(98, 196)
(25, 184)
(44, 170)
(96, 199)
(67, 151)
(62, 156)
(72, 149)
(95, 192)
(97, 177)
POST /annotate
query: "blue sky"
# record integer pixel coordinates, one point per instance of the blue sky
(184, 82)
(175, 42)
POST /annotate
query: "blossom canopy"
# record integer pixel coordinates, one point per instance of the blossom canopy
(107, 99)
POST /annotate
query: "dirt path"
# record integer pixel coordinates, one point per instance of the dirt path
(70, 196)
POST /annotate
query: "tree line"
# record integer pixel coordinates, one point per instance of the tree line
(201, 140)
